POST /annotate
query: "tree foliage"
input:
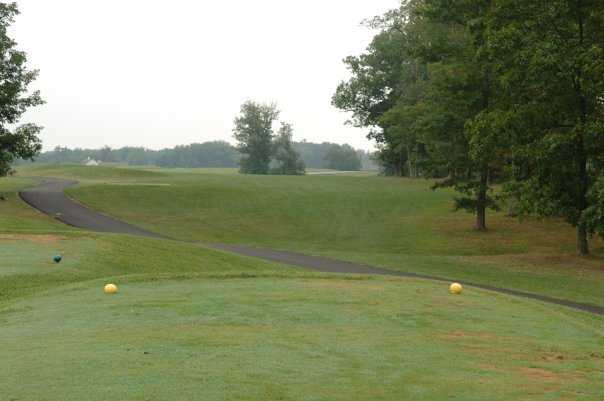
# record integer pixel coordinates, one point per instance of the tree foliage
(314, 155)
(481, 92)
(343, 158)
(551, 63)
(254, 133)
(286, 161)
(15, 79)
(262, 151)
(420, 85)
(207, 154)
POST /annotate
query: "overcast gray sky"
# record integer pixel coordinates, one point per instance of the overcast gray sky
(162, 73)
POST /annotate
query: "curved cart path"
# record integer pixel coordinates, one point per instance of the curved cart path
(49, 197)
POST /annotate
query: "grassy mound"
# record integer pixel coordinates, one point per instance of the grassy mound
(395, 223)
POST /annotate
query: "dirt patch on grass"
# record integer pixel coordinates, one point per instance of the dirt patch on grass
(536, 379)
(486, 346)
(541, 375)
(553, 357)
(39, 239)
(483, 335)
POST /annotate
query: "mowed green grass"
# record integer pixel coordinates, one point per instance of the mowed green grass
(195, 324)
(294, 339)
(390, 222)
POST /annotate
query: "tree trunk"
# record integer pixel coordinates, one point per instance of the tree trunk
(410, 166)
(581, 154)
(582, 242)
(400, 164)
(481, 217)
(481, 202)
(481, 196)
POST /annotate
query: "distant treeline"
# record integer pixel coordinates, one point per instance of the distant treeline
(211, 154)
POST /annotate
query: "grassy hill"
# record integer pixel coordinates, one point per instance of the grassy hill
(193, 323)
(390, 222)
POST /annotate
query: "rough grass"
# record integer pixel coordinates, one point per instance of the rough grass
(26, 265)
(395, 223)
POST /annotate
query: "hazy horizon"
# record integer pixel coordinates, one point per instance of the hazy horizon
(144, 74)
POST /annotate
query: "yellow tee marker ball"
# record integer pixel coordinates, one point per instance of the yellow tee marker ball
(110, 289)
(455, 289)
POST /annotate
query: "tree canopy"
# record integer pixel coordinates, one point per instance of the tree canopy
(15, 98)
(206, 154)
(343, 158)
(483, 92)
(254, 134)
(262, 151)
(286, 161)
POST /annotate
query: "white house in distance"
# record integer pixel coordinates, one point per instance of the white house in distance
(90, 162)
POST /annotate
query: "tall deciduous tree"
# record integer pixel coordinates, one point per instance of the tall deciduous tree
(423, 82)
(254, 132)
(551, 61)
(378, 83)
(287, 161)
(15, 99)
(462, 87)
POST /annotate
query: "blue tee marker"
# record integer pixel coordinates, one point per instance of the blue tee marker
(57, 258)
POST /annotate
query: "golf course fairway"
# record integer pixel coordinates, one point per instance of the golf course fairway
(192, 323)
(398, 224)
